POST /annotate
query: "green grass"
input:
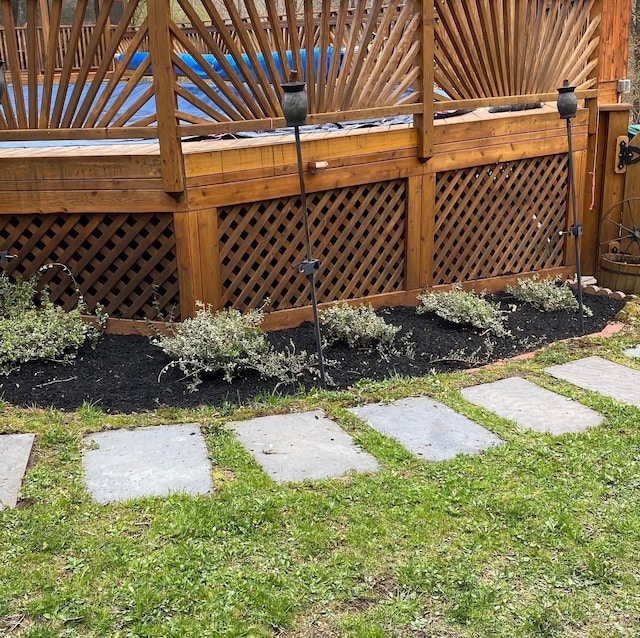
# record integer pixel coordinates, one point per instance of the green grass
(537, 537)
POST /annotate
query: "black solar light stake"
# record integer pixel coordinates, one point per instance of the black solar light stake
(295, 107)
(3, 82)
(567, 107)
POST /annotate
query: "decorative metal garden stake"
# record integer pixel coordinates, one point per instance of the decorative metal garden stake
(3, 82)
(567, 107)
(295, 107)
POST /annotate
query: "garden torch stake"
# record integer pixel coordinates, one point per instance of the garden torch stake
(294, 108)
(567, 107)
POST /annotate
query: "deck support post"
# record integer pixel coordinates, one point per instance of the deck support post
(160, 51)
(424, 121)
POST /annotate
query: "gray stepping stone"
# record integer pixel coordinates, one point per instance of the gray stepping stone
(602, 376)
(300, 446)
(123, 464)
(15, 450)
(532, 407)
(634, 353)
(427, 428)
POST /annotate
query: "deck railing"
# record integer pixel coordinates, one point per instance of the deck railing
(150, 77)
(62, 49)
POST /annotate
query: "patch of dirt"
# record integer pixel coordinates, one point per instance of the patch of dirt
(121, 373)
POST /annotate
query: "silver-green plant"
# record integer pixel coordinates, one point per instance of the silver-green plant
(549, 295)
(465, 308)
(229, 342)
(357, 326)
(32, 327)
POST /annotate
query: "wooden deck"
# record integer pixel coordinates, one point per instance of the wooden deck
(233, 236)
(152, 227)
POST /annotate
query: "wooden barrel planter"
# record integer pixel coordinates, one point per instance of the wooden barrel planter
(620, 272)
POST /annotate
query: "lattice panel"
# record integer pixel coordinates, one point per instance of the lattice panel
(125, 262)
(500, 219)
(358, 233)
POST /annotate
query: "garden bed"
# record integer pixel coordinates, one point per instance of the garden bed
(121, 373)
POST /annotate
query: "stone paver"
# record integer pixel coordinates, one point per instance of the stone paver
(427, 428)
(306, 445)
(154, 461)
(602, 376)
(633, 353)
(15, 450)
(532, 407)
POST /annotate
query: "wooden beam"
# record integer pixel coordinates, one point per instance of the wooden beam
(198, 254)
(614, 40)
(160, 50)
(424, 120)
(413, 233)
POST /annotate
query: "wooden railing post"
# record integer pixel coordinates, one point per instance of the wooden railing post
(160, 51)
(424, 120)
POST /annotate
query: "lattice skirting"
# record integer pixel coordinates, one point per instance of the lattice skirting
(500, 219)
(125, 262)
(358, 233)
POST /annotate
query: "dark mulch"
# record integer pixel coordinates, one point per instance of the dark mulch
(121, 373)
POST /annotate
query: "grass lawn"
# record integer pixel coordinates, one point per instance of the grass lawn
(538, 537)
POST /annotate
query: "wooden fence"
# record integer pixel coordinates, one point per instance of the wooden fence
(480, 199)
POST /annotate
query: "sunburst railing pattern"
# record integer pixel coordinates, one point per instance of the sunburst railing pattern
(223, 72)
(492, 48)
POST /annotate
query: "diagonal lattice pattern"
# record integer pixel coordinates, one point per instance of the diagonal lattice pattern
(358, 234)
(500, 219)
(125, 262)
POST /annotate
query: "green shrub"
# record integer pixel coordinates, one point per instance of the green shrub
(32, 327)
(465, 308)
(358, 326)
(230, 342)
(548, 295)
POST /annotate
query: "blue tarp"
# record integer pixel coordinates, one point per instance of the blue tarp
(216, 67)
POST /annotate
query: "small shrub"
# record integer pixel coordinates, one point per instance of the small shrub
(358, 326)
(32, 327)
(465, 308)
(548, 295)
(230, 342)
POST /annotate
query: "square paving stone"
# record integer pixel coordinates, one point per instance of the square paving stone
(600, 375)
(427, 428)
(634, 353)
(15, 450)
(300, 446)
(532, 407)
(123, 464)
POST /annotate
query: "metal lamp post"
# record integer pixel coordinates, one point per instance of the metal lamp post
(295, 107)
(567, 107)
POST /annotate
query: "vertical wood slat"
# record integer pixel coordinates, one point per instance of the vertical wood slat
(427, 229)
(614, 46)
(579, 165)
(32, 63)
(413, 255)
(310, 56)
(14, 66)
(424, 122)
(164, 82)
(210, 257)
